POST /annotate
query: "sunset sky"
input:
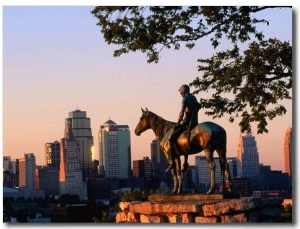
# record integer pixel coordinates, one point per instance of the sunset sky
(55, 61)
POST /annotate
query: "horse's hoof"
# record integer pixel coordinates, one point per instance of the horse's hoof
(171, 166)
(209, 192)
(174, 192)
(185, 167)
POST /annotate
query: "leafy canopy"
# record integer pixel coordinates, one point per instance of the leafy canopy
(245, 83)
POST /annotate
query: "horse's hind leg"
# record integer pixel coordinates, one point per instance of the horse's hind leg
(212, 167)
(225, 173)
(185, 164)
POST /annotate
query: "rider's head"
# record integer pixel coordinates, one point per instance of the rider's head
(184, 89)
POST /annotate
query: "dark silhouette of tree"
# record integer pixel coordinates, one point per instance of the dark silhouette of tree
(246, 84)
(68, 199)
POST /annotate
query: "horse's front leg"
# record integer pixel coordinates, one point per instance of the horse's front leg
(175, 180)
(212, 167)
(178, 174)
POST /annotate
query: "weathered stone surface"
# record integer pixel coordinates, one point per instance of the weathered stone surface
(241, 210)
(175, 219)
(141, 208)
(223, 207)
(124, 205)
(152, 219)
(125, 217)
(148, 208)
(184, 197)
(201, 219)
(176, 207)
(187, 218)
(237, 218)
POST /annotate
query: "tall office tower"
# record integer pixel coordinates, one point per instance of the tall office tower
(82, 132)
(233, 166)
(6, 162)
(9, 165)
(288, 151)
(138, 168)
(70, 173)
(142, 173)
(159, 163)
(142, 168)
(115, 150)
(189, 178)
(52, 154)
(203, 171)
(10, 178)
(248, 159)
(27, 171)
(49, 180)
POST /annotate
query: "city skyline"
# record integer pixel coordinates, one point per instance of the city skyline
(62, 64)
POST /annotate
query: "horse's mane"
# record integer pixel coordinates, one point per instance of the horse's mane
(159, 125)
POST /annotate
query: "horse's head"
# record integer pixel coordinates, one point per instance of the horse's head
(144, 123)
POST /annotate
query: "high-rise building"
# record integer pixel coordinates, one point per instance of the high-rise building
(248, 159)
(27, 172)
(52, 154)
(138, 168)
(10, 178)
(288, 151)
(203, 172)
(9, 165)
(70, 173)
(114, 150)
(159, 163)
(142, 168)
(80, 126)
(6, 162)
(49, 180)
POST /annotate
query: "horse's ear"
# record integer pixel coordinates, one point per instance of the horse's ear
(146, 109)
(142, 110)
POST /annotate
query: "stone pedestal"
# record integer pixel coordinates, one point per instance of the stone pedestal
(201, 209)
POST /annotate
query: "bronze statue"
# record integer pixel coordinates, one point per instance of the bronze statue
(206, 136)
(187, 120)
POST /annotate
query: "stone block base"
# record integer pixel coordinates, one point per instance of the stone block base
(239, 210)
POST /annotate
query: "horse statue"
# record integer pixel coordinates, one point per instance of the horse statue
(206, 136)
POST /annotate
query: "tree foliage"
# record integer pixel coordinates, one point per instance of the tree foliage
(245, 83)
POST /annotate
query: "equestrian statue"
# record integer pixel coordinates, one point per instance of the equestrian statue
(186, 137)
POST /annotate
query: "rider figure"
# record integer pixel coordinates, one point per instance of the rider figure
(188, 119)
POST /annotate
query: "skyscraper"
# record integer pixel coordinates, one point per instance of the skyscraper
(115, 150)
(80, 126)
(248, 159)
(203, 172)
(70, 173)
(288, 151)
(52, 154)
(159, 163)
(9, 165)
(27, 171)
(142, 168)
